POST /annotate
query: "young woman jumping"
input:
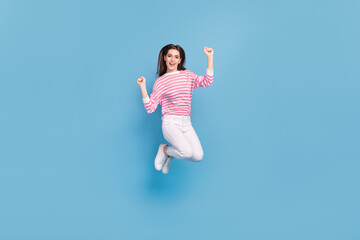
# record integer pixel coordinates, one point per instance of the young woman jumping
(173, 91)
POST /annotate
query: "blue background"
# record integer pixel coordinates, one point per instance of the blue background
(279, 126)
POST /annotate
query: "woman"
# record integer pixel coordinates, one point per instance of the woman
(173, 91)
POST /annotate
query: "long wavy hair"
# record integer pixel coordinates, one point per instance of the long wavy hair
(161, 67)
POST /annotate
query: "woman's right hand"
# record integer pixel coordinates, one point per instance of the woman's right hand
(141, 81)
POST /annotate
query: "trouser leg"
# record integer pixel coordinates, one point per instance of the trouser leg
(193, 139)
(184, 142)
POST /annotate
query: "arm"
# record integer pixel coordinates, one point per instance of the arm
(141, 81)
(151, 103)
(210, 56)
(205, 81)
(144, 92)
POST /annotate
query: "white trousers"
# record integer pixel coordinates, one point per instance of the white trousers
(179, 132)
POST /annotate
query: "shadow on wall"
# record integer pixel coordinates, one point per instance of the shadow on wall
(157, 184)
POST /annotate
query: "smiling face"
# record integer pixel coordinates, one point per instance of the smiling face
(172, 59)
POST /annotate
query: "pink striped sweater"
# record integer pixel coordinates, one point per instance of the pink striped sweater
(173, 91)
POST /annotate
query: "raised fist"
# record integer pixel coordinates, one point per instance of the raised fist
(141, 81)
(208, 51)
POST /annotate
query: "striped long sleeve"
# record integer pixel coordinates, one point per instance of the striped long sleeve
(202, 81)
(154, 100)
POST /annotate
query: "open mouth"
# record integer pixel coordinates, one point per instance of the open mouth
(172, 64)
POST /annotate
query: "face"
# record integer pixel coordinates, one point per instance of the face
(172, 59)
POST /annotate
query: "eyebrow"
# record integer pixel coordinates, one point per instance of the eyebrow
(171, 54)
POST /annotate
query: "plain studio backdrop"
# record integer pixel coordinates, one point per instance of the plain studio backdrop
(279, 125)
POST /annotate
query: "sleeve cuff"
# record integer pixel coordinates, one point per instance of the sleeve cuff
(146, 100)
(209, 72)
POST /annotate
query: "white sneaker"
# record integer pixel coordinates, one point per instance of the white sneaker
(166, 166)
(160, 158)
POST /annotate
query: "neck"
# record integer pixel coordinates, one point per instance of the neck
(170, 71)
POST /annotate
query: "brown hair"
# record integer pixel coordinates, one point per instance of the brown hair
(161, 67)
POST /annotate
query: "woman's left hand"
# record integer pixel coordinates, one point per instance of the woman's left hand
(209, 52)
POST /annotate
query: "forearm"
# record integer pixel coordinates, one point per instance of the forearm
(210, 63)
(144, 92)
